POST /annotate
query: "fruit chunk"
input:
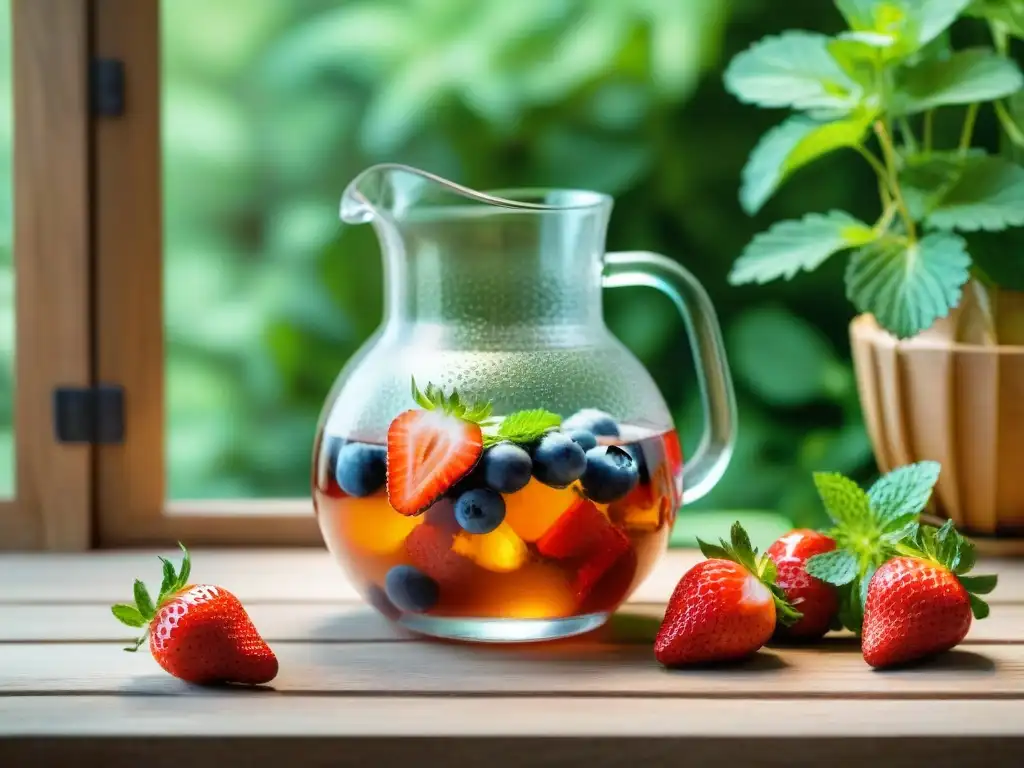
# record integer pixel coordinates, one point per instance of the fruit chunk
(506, 467)
(428, 452)
(595, 421)
(921, 603)
(500, 550)
(534, 509)
(479, 511)
(607, 570)
(410, 589)
(199, 633)
(361, 468)
(723, 608)
(817, 600)
(611, 473)
(429, 548)
(558, 461)
(640, 510)
(576, 532)
(368, 524)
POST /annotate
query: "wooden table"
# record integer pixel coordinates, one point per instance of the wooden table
(354, 690)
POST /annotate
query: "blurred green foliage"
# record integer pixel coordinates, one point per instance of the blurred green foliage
(272, 106)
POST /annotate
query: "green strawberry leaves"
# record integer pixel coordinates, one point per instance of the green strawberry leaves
(144, 610)
(868, 526)
(947, 548)
(433, 398)
(739, 550)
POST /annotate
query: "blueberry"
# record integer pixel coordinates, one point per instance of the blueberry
(480, 511)
(409, 589)
(611, 473)
(637, 452)
(592, 420)
(507, 468)
(558, 461)
(584, 438)
(327, 463)
(361, 468)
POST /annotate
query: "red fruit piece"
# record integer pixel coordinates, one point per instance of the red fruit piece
(724, 608)
(921, 603)
(817, 600)
(428, 452)
(604, 577)
(576, 532)
(199, 633)
(429, 548)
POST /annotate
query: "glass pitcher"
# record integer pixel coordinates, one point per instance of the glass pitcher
(493, 464)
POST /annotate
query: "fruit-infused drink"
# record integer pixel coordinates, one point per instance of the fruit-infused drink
(460, 516)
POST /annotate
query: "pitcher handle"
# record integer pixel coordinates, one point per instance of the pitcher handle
(631, 268)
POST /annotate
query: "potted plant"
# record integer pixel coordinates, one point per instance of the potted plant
(939, 345)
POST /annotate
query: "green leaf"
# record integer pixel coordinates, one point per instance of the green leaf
(128, 614)
(713, 551)
(170, 578)
(525, 426)
(844, 500)
(789, 246)
(851, 609)
(794, 69)
(908, 287)
(911, 23)
(988, 194)
(927, 177)
(979, 585)
(902, 493)
(1008, 14)
(791, 145)
(142, 600)
(837, 567)
(186, 567)
(783, 358)
(967, 77)
(979, 607)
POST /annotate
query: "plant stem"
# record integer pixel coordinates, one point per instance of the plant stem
(968, 130)
(889, 153)
(929, 120)
(1013, 131)
(908, 135)
(882, 225)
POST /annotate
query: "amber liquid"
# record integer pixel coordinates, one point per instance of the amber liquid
(503, 574)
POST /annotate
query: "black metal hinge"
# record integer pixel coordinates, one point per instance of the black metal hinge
(107, 87)
(93, 415)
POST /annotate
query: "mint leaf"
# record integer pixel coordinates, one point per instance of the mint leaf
(791, 145)
(851, 609)
(1009, 14)
(988, 193)
(793, 69)
(524, 426)
(926, 178)
(901, 494)
(128, 614)
(844, 500)
(910, 23)
(908, 287)
(837, 567)
(966, 77)
(789, 246)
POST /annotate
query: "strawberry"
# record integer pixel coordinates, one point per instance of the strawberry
(429, 548)
(920, 603)
(576, 531)
(817, 600)
(724, 608)
(199, 633)
(431, 448)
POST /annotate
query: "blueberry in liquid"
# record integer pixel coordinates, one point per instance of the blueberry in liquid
(593, 420)
(480, 511)
(558, 461)
(584, 438)
(361, 469)
(611, 473)
(411, 590)
(507, 468)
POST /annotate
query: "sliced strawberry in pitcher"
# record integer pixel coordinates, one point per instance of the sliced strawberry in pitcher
(428, 452)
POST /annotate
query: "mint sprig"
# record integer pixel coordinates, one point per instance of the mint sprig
(739, 550)
(874, 88)
(143, 611)
(524, 427)
(867, 527)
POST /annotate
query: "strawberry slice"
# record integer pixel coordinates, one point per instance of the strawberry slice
(428, 452)
(576, 532)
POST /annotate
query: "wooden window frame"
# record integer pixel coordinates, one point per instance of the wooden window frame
(53, 481)
(130, 480)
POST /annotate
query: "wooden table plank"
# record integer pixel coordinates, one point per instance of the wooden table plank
(305, 575)
(354, 622)
(832, 669)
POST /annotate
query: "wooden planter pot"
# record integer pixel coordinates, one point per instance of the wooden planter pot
(959, 404)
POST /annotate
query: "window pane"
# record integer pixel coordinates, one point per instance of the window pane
(6, 260)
